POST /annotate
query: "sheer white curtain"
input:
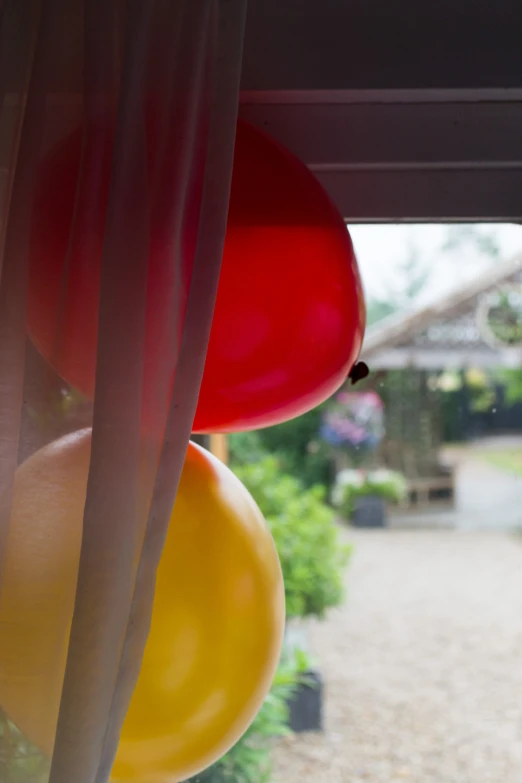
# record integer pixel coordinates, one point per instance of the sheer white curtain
(106, 67)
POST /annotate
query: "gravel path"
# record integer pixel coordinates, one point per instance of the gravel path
(423, 666)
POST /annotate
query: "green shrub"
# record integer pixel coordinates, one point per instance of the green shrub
(295, 443)
(307, 540)
(245, 448)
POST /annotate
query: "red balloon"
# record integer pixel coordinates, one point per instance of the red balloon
(289, 318)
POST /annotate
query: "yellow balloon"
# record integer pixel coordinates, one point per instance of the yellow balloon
(217, 624)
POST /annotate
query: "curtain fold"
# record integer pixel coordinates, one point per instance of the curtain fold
(131, 107)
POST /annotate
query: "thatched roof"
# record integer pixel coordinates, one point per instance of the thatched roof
(443, 333)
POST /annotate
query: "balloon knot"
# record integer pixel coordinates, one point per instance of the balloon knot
(358, 372)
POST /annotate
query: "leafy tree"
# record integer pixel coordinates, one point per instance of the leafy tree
(377, 309)
(512, 383)
(465, 234)
(414, 275)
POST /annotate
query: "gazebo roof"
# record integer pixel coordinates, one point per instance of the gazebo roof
(444, 334)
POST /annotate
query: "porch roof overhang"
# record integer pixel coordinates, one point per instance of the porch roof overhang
(410, 111)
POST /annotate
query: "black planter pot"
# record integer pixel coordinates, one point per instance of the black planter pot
(369, 511)
(306, 704)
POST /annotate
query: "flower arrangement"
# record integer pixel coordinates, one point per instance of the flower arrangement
(354, 423)
(350, 485)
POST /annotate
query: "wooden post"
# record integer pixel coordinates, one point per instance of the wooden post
(219, 447)
(217, 444)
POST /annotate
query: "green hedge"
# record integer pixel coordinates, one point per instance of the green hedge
(296, 444)
(312, 556)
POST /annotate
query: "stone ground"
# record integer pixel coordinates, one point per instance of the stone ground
(423, 665)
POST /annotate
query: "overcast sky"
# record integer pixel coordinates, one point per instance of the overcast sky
(383, 249)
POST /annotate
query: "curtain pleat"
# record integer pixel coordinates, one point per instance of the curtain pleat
(14, 261)
(152, 88)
